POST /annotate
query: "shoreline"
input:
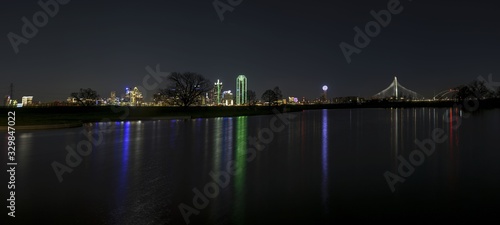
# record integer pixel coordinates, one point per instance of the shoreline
(46, 118)
(45, 126)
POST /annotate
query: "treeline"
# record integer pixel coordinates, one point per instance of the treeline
(477, 90)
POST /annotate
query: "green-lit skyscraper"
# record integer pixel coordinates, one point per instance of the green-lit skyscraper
(241, 90)
(217, 92)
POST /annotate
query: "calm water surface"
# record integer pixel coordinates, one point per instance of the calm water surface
(324, 167)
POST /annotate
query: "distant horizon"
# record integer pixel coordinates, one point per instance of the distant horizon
(150, 97)
(123, 91)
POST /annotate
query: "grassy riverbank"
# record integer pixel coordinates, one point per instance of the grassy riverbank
(29, 116)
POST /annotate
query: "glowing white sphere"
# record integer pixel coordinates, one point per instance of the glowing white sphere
(325, 88)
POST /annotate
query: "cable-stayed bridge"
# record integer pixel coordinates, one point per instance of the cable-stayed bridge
(446, 94)
(396, 90)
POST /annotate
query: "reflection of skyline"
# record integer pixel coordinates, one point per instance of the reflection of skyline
(240, 164)
(322, 176)
(124, 156)
(217, 158)
(455, 114)
(230, 144)
(124, 137)
(324, 159)
(409, 127)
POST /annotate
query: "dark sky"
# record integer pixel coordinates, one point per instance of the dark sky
(106, 45)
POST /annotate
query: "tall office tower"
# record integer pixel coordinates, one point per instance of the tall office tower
(217, 93)
(6, 101)
(136, 97)
(112, 98)
(241, 90)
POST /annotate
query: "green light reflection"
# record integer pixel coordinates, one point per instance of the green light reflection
(240, 165)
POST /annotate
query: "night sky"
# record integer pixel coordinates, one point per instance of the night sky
(106, 45)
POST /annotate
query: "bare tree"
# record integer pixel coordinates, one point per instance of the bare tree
(463, 92)
(479, 90)
(270, 97)
(86, 97)
(277, 91)
(476, 89)
(186, 88)
(252, 97)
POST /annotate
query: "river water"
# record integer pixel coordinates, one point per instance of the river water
(312, 167)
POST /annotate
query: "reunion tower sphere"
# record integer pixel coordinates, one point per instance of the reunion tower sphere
(325, 88)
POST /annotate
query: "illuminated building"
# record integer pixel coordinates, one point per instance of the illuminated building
(134, 97)
(127, 95)
(112, 98)
(27, 100)
(160, 99)
(6, 100)
(241, 90)
(293, 100)
(348, 100)
(217, 93)
(71, 100)
(227, 98)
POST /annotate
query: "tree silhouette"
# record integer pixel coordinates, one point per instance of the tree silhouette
(476, 89)
(277, 91)
(186, 88)
(86, 97)
(479, 90)
(463, 92)
(252, 97)
(270, 97)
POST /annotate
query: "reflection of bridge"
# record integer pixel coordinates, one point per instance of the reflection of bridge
(398, 91)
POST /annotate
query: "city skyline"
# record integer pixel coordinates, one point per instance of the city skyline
(294, 46)
(250, 112)
(149, 95)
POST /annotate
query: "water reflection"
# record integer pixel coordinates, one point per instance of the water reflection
(139, 143)
(409, 126)
(227, 139)
(124, 161)
(24, 149)
(395, 137)
(197, 131)
(217, 146)
(299, 175)
(324, 159)
(240, 165)
(454, 120)
(217, 164)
